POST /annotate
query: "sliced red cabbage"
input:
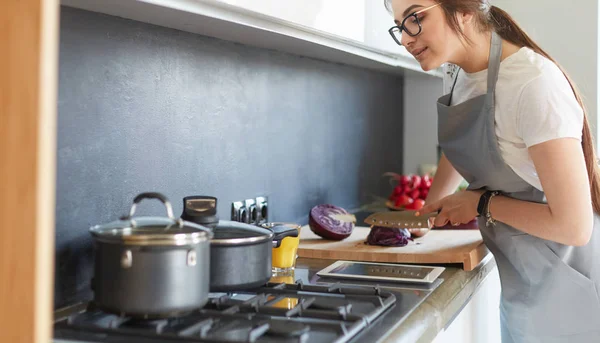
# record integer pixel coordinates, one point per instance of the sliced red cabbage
(390, 237)
(324, 220)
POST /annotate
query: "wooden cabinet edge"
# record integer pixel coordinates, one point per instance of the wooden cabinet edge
(27, 202)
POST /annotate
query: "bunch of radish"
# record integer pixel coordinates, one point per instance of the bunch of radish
(410, 191)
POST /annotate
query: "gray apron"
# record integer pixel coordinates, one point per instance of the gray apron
(549, 290)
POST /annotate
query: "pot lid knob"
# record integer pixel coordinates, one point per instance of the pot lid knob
(200, 209)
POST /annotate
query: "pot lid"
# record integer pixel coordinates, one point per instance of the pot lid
(235, 233)
(165, 231)
(151, 231)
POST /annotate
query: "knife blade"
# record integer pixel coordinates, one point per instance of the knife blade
(401, 219)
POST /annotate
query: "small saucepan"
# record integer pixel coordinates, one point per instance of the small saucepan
(240, 253)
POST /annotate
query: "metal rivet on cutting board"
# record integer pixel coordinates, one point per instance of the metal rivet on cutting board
(126, 259)
(191, 258)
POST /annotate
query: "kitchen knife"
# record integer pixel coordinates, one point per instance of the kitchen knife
(401, 219)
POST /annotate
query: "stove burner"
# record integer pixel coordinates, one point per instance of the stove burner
(288, 329)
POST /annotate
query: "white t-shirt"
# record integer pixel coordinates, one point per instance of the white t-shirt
(534, 104)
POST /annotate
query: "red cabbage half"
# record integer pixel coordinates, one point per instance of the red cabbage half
(324, 220)
(389, 237)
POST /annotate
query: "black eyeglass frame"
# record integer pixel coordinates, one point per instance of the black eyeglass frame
(401, 27)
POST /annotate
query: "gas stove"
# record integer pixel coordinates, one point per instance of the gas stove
(294, 308)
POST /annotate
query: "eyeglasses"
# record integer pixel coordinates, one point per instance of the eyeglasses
(411, 25)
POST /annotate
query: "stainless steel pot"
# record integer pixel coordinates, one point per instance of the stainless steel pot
(151, 267)
(240, 254)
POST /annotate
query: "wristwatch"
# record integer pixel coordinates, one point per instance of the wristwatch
(484, 201)
(483, 208)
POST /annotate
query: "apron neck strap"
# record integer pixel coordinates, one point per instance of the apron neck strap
(454, 84)
(494, 62)
(493, 65)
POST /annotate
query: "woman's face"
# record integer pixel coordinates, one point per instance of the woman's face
(436, 43)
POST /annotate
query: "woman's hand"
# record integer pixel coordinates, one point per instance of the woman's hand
(458, 208)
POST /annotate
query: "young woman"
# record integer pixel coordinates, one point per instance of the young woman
(515, 128)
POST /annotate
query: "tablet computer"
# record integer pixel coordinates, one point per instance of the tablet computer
(376, 271)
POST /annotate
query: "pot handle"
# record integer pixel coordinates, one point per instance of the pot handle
(282, 231)
(153, 195)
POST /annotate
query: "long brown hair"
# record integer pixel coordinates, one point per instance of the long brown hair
(493, 18)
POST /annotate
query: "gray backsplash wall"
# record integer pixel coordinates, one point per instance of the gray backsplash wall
(145, 108)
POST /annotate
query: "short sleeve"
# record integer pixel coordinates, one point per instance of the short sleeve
(548, 109)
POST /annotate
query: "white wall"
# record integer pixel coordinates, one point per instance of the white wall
(569, 32)
(420, 120)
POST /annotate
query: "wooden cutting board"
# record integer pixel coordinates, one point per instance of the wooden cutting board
(464, 247)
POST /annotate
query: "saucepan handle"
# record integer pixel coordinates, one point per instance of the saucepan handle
(282, 231)
(153, 195)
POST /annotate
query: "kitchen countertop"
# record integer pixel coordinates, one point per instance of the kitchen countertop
(438, 309)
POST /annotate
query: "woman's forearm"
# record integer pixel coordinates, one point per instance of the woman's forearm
(538, 220)
(567, 217)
